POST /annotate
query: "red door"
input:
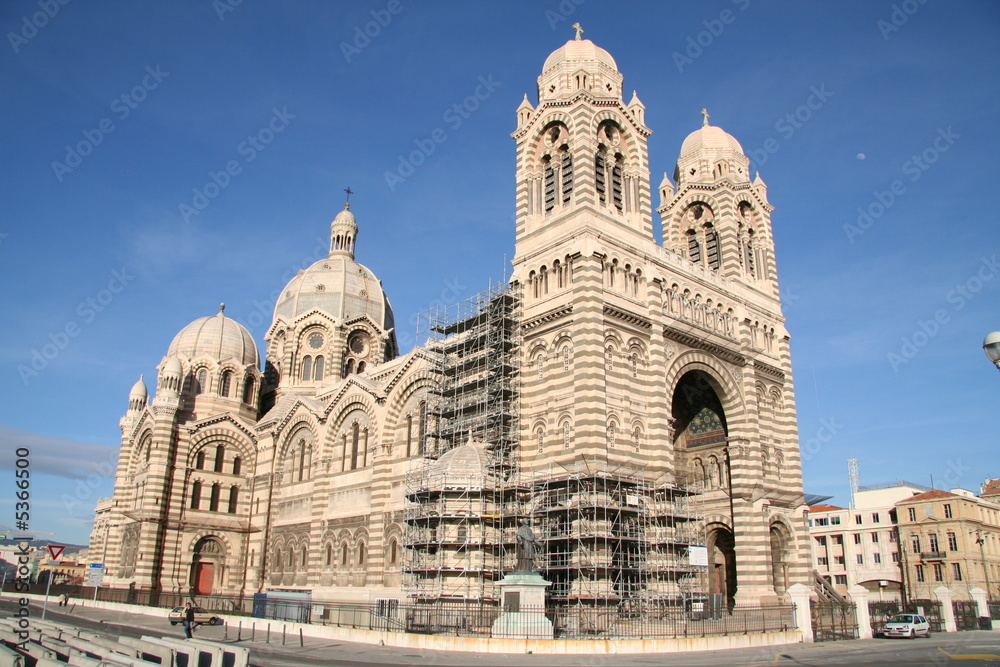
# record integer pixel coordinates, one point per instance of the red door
(204, 577)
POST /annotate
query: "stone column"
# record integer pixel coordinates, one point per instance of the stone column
(982, 602)
(799, 594)
(859, 596)
(943, 594)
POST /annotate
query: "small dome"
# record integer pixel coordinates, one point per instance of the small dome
(345, 217)
(464, 466)
(139, 390)
(172, 366)
(710, 137)
(579, 51)
(218, 337)
(339, 287)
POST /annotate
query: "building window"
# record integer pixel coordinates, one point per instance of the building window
(838, 560)
(838, 539)
(199, 460)
(214, 502)
(840, 579)
(895, 556)
(857, 538)
(920, 573)
(912, 513)
(956, 571)
(952, 542)
(822, 522)
(915, 541)
(361, 553)
(234, 497)
(892, 535)
(875, 518)
(822, 560)
(237, 465)
(220, 457)
(329, 555)
(248, 390)
(821, 541)
(227, 382)
(861, 559)
(875, 537)
(196, 495)
(878, 557)
(932, 538)
(857, 519)
(947, 511)
(834, 520)
(318, 368)
(938, 572)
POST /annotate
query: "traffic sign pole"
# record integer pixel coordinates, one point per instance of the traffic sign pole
(48, 585)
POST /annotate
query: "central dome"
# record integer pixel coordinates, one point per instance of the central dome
(339, 287)
(218, 337)
(580, 51)
(710, 137)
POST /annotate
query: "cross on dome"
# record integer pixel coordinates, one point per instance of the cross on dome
(579, 30)
(704, 117)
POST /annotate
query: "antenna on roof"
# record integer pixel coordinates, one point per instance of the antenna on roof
(852, 473)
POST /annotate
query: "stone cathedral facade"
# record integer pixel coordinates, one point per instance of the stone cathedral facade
(664, 358)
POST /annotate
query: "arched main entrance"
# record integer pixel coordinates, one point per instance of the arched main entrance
(780, 543)
(206, 566)
(721, 563)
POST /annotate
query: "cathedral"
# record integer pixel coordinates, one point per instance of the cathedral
(628, 398)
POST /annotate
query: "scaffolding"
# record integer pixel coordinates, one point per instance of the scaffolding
(610, 538)
(463, 499)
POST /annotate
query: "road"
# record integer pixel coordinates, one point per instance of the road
(962, 649)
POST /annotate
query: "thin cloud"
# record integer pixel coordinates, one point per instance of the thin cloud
(57, 457)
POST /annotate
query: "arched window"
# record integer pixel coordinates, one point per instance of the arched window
(200, 382)
(565, 356)
(234, 498)
(307, 364)
(304, 556)
(612, 434)
(318, 369)
(226, 384)
(237, 465)
(199, 459)
(362, 553)
(539, 438)
(694, 247)
(196, 495)
(364, 449)
(567, 176)
(343, 554)
(361, 367)
(637, 438)
(248, 390)
(567, 429)
(601, 174)
(350, 367)
(712, 247)
(355, 438)
(616, 182)
(393, 551)
(277, 560)
(422, 429)
(216, 492)
(329, 555)
(220, 457)
(549, 183)
(409, 436)
(302, 459)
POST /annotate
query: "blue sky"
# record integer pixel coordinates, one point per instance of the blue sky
(117, 117)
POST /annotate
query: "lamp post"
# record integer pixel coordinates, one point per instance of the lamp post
(980, 540)
(991, 346)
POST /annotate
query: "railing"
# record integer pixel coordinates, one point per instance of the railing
(629, 619)
(932, 555)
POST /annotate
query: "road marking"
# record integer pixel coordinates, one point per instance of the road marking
(969, 656)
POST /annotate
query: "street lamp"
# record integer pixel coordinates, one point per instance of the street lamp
(991, 346)
(981, 541)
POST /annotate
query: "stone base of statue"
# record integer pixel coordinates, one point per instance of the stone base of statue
(522, 598)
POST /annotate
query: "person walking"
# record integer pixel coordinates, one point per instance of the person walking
(188, 620)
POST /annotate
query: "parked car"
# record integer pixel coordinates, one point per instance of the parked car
(907, 625)
(201, 616)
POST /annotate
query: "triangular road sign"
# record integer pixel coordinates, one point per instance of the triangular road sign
(55, 550)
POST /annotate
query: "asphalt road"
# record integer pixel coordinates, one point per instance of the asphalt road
(962, 649)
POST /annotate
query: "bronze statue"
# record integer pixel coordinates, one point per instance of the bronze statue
(527, 546)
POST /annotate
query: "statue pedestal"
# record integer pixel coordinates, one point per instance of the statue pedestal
(522, 598)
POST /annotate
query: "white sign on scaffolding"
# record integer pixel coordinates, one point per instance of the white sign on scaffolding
(697, 556)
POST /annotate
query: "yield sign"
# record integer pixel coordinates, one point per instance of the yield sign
(55, 550)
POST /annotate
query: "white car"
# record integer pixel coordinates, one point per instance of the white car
(907, 625)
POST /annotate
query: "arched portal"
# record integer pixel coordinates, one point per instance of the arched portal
(721, 564)
(698, 414)
(206, 565)
(780, 543)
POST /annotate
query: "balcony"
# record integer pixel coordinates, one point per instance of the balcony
(932, 555)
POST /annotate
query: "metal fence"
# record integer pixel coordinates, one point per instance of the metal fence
(834, 621)
(475, 620)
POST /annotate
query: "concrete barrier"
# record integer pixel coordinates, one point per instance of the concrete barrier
(10, 658)
(164, 654)
(232, 656)
(185, 655)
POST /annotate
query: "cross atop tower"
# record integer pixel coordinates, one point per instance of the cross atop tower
(349, 191)
(704, 117)
(579, 30)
